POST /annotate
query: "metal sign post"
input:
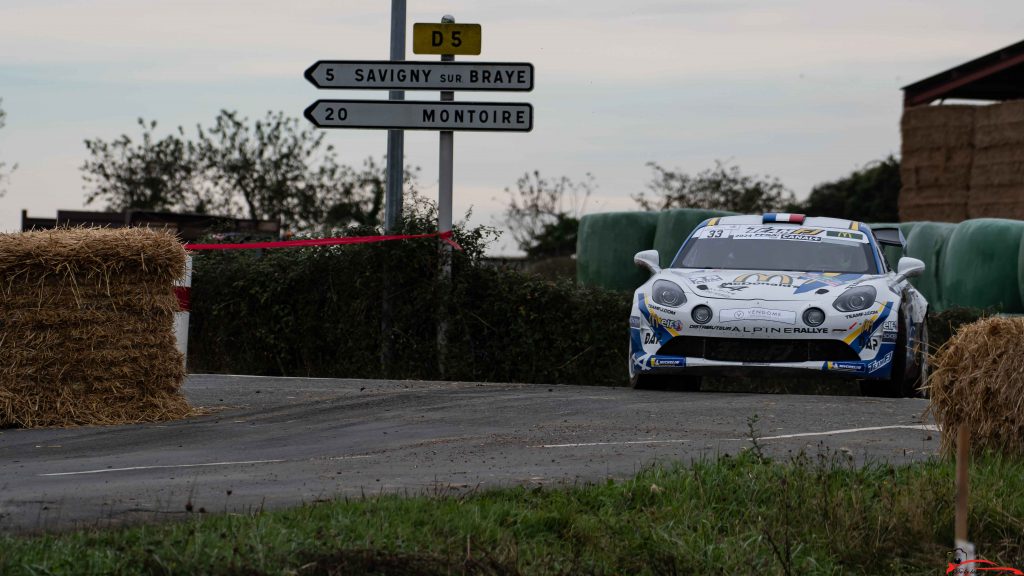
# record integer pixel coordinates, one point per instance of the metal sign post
(393, 182)
(446, 116)
(444, 215)
(396, 139)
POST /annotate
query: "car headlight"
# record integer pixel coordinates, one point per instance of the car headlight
(701, 314)
(814, 316)
(855, 299)
(668, 294)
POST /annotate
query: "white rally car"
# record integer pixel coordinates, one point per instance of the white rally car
(780, 292)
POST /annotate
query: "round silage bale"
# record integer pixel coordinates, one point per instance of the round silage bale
(675, 226)
(926, 242)
(979, 265)
(606, 244)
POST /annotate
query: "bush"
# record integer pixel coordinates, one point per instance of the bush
(317, 312)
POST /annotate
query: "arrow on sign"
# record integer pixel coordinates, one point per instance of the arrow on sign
(421, 115)
(404, 75)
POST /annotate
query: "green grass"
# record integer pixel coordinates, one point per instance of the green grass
(739, 515)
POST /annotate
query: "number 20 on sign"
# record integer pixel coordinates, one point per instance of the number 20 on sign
(459, 39)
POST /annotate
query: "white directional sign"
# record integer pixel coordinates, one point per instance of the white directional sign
(402, 75)
(420, 115)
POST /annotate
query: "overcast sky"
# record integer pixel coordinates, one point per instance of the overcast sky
(805, 90)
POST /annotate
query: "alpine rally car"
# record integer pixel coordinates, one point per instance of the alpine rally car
(780, 292)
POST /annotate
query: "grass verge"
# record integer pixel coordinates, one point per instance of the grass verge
(733, 515)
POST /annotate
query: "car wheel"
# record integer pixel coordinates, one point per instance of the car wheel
(664, 382)
(905, 376)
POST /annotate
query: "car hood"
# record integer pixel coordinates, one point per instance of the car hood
(764, 284)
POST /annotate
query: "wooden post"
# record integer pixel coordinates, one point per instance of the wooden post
(963, 490)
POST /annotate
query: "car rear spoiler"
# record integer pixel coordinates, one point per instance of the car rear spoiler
(889, 235)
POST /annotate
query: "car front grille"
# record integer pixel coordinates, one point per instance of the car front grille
(755, 350)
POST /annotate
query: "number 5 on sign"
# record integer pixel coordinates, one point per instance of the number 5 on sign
(461, 39)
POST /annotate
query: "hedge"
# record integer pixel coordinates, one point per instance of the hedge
(317, 312)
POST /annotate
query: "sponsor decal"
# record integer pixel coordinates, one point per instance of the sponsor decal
(741, 314)
(873, 343)
(879, 364)
(845, 235)
(634, 322)
(844, 366)
(890, 325)
(889, 335)
(661, 309)
(800, 237)
(651, 338)
(758, 329)
(666, 323)
(704, 279)
(656, 362)
(765, 278)
(859, 314)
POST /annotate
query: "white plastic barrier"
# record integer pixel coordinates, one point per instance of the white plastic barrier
(183, 291)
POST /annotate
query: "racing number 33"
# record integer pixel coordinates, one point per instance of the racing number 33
(461, 39)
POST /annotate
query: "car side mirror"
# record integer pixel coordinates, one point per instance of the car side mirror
(908, 268)
(648, 259)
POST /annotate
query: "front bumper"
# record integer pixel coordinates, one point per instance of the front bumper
(856, 348)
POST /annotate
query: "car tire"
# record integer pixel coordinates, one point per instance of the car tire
(905, 377)
(665, 382)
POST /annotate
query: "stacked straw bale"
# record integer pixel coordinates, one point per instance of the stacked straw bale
(937, 152)
(978, 381)
(87, 327)
(997, 175)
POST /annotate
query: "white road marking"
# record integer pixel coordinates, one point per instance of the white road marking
(930, 427)
(102, 470)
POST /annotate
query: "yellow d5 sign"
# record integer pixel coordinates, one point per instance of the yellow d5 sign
(462, 39)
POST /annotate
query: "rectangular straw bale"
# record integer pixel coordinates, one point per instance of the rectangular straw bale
(928, 127)
(933, 194)
(1000, 114)
(935, 211)
(86, 321)
(996, 203)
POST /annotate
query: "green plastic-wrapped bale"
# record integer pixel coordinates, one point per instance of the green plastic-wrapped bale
(605, 247)
(926, 243)
(979, 265)
(675, 226)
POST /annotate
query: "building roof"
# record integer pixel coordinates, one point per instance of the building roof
(995, 76)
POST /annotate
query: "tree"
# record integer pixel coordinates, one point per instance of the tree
(273, 168)
(543, 215)
(870, 194)
(723, 187)
(5, 174)
(152, 174)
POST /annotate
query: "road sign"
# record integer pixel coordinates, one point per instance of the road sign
(384, 74)
(461, 39)
(422, 115)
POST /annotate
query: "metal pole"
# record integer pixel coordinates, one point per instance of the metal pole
(393, 191)
(396, 138)
(444, 216)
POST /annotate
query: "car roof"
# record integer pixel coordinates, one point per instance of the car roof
(820, 221)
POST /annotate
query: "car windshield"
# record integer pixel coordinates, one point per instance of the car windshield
(810, 249)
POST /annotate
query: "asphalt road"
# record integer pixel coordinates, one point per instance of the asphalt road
(274, 442)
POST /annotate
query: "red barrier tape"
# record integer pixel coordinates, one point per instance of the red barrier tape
(444, 236)
(184, 294)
